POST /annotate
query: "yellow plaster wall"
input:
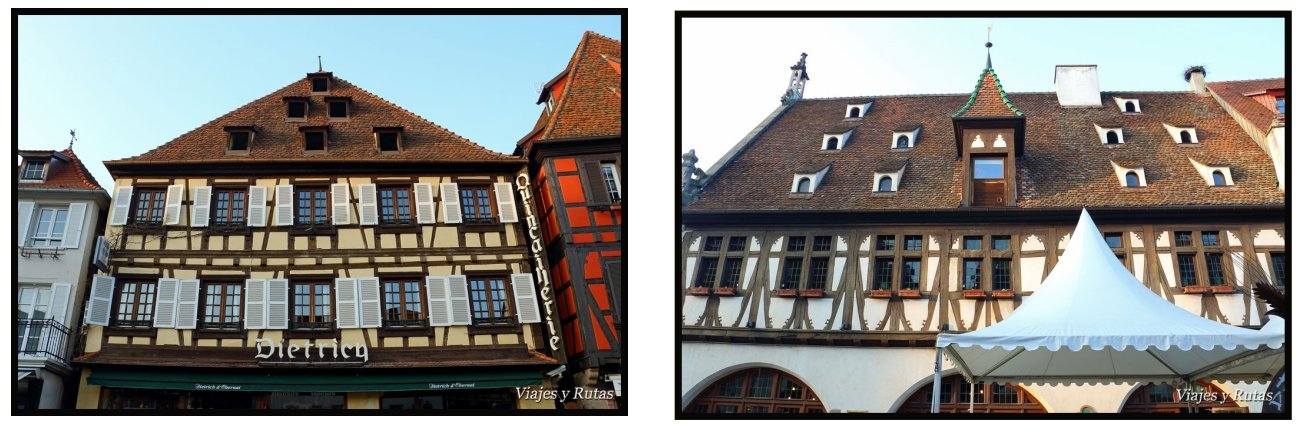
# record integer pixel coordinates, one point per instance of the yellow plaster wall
(458, 335)
(87, 395)
(94, 338)
(167, 337)
(445, 237)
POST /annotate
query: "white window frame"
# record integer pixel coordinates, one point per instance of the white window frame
(1176, 131)
(862, 110)
(45, 166)
(896, 179)
(1207, 173)
(50, 240)
(1137, 105)
(842, 140)
(1121, 173)
(616, 189)
(1101, 133)
(814, 180)
(911, 139)
(34, 332)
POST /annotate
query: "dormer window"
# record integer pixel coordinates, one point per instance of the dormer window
(1110, 135)
(1218, 179)
(887, 182)
(1130, 177)
(803, 185)
(807, 182)
(1183, 134)
(905, 138)
(835, 141)
(388, 139)
(1129, 105)
(1131, 180)
(1214, 176)
(314, 138)
(295, 109)
(320, 83)
(338, 107)
(856, 111)
(886, 185)
(35, 170)
(239, 139)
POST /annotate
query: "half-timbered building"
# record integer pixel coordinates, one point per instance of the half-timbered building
(319, 247)
(575, 168)
(823, 254)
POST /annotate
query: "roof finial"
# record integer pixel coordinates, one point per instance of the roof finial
(73, 132)
(988, 44)
(319, 66)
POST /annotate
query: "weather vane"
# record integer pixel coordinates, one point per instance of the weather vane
(73, 132)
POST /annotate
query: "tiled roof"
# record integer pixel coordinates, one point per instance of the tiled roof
(353, 140)
(1234, 93)
(73, 175)
(590, 103)
(1065, 164)
(988, 99)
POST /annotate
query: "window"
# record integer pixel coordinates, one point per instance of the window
(1187, 269)
(487, 298)
(1279, 270)
(988, 169)
(791, 272)
(135, 303)
(311, 305)
(1209, 238)
(903, 142)
(1219, 181)
(50, 224)
(972, 243)
(610, 174)
(1001, 243)
(857, 112)
(821, 243)
(708, 272)
(911, 274)
(229, 209)
(395, 205)
(475, 204)
(713, 243)
(221, 305)
(149, 206)
(885, 243)
(884, 274)
(33, 307)
(34, 170)
(1214, 268)
(832, 143)
(320, 84)
(796, 244)
(1185, 137)
(817, 274)
(1129, 107)
(1182, 238)
(387, 141)
(314, 140)
(338, 109)
(989, 398)
(1281, 105)
(1114, 240)
(911, 243)
(1001, 274)
(403, 303)
(970, 274)
(736, 244)
(886, 185)
(1003, 393)
(757, 391)
(1131, 180)
(313, 205)
(239, 141)
(805, 186)
(731, 273)
(296, 110)
(1112, 137)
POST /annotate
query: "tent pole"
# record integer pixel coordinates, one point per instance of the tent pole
(972, 396)
(934, 388)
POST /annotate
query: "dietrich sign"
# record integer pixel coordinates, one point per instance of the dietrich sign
(331, 350)
(538, 248)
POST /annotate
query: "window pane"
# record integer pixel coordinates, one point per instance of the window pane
(1001, 242)
(1114, 240)
(712, 244)
(736, 244)
(884, 273)
(885, 243)
(911, 275)
(988, 168)
(912, 243)
(1182, 238)
(817, 276)
(1187, 269)
(796, 244)
(1209, 238)
(822, 243)
(972, 243)
(971, 274)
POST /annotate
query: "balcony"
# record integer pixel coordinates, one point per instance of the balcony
(43, 339)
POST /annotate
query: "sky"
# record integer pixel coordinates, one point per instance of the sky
(130, 83)
(735, 70)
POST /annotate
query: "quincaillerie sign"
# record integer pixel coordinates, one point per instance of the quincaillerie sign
(323, 350)
(538, 248)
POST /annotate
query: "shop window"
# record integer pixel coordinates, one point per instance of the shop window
(135, 298)
(458, 399)
(395, 205)
(476, 204)
(488, 302)
(307, 400)
(403, 303)
(222, 305)
(149, 204)
(312, 305)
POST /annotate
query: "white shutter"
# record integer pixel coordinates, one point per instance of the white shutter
(121, 205)
(506, 201)
(25, 210)
(345, 302)
(58, 311)
(341, 199)
(424, 203)
(458, 297)
(202, 207)
(101, 300)
(256, 206)
(187, 304)
(277, 304)
(368, 204)
(164, 305)
(451, 203)
(72, 229)
(283, 205)
(102, 252)
(172, 209)
(255, 304)
(439, 300)
(371, 311)
(525, 298)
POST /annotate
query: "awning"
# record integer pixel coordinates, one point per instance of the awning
(308, 381)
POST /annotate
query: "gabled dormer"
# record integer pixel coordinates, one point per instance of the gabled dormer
(37, 164)
(989, 132)
(320, 83)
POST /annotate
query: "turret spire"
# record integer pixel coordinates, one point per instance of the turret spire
(798, 77)
(988, 45)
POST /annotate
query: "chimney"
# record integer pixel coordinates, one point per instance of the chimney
(1195, 75)
(1076, 86)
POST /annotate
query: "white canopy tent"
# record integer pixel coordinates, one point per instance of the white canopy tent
(1092, 322)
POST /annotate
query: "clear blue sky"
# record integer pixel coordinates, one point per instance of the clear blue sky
(735, 70)
(130, 83)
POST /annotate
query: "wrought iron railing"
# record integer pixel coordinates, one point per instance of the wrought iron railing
(43, 338)
(403, 323)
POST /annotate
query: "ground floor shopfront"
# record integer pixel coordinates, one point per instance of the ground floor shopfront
(734, 377)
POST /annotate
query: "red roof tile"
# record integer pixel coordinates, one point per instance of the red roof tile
(988, 99)
(590, 102)
(1235, 94)
(1065, 165)
(279, 140)
(67, 175)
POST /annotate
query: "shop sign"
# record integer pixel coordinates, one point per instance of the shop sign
(450, 386)
(524, 186)
(324, 350)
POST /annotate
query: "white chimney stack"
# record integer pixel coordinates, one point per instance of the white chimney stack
(1076, 86)
(1196, 77)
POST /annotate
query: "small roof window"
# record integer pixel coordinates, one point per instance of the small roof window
(314, 138)
(35, 169)
(320, 82)
(239, 139)
(389, 140)
(1183, 134)
(1108, 135)
(1129, 105)
(295, 108)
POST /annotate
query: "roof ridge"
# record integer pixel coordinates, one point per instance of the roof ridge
(919, 95)
(417, 116)
(84, 173)
(1001, 93)
(1247, 80)
(593, 33)
(571, 70)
